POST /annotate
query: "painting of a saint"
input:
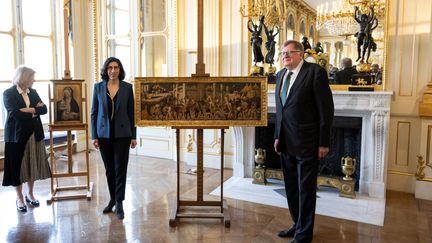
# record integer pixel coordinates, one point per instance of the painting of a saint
(67, 103)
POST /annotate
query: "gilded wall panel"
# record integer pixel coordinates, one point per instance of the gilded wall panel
(429, 144)
(402, 143)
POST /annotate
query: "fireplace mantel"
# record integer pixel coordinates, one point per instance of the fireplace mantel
(372, 107)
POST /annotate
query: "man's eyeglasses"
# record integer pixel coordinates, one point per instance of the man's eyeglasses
(287, 53)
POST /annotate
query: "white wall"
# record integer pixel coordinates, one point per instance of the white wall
(408, 71)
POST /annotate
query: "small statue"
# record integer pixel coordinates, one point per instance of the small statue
(367, 23)
(256, 40)
(270, 44)
(323, 63)
(421, 165)
(318, 48)
(260, 157)
(305, 43)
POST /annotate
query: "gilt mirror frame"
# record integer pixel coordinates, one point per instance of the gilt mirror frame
(341, 87)
(384, 65)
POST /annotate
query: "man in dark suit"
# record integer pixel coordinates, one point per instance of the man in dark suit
(344, 76)
(376, 73)
(304, 115)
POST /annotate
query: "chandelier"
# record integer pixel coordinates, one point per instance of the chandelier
(338, 19)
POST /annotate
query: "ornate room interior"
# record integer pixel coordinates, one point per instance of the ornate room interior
(383, 125)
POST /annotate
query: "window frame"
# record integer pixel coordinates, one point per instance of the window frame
(136, 35)
(18, 35)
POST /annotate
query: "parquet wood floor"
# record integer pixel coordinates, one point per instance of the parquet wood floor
(151, 184)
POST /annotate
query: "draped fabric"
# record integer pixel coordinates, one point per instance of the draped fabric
(34, 165)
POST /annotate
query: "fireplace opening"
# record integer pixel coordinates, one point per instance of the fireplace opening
(345, 141)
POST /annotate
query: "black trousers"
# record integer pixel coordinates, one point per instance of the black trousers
(115, 155)
(300, 177)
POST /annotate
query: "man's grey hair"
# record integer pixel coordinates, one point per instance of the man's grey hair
(346, 62)
(22, 75)
(297, 45)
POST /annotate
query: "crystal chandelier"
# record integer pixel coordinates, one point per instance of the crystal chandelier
(338, 19)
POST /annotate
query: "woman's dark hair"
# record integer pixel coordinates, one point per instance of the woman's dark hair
(104, 71)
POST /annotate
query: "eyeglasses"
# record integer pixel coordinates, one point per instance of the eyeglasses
(287, 53)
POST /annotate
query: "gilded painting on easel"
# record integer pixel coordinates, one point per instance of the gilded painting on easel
(67, 102)
(201, 101)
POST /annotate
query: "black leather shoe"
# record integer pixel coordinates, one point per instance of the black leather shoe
(119, 210)
(21, 209)
(287, 233)
(34, 203)
(109, 207)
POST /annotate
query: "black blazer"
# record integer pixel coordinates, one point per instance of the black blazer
(124, 112)
(20, 125)
(305, 122)
(344, 76)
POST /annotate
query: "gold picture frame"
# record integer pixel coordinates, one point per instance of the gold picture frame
(67, 102)
(201, 101)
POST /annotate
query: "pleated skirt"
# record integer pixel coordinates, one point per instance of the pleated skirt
(34, 164)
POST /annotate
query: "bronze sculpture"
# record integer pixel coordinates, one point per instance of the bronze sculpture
(365, 41)
(318, 48)
(305, 43)
(270, 44)
(256, 40)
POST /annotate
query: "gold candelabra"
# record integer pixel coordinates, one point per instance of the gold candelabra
(274, 11)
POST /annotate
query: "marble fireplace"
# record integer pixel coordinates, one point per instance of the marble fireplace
(374, 110)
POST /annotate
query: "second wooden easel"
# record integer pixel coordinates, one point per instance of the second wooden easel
(68, 126)
(200, 202)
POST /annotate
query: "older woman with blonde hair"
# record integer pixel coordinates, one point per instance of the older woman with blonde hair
(25, 155)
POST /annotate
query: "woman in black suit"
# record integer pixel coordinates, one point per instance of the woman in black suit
(23, 135)
(113, 129)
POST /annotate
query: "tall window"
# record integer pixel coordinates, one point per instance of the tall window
(118, 33)
(148, 51)
(302, 30)
(290, 27)
(311, 36)
(27, 37)
(153, 38)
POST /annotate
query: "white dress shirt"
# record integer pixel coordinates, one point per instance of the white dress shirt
(24, 94)
(293, 76)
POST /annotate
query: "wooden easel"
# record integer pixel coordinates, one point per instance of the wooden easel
(200, 202)
(55, 187)
(69, 127)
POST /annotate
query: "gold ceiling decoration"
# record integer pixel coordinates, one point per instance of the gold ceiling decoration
(275, 12)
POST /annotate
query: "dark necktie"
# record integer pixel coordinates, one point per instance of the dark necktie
(285, 87)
